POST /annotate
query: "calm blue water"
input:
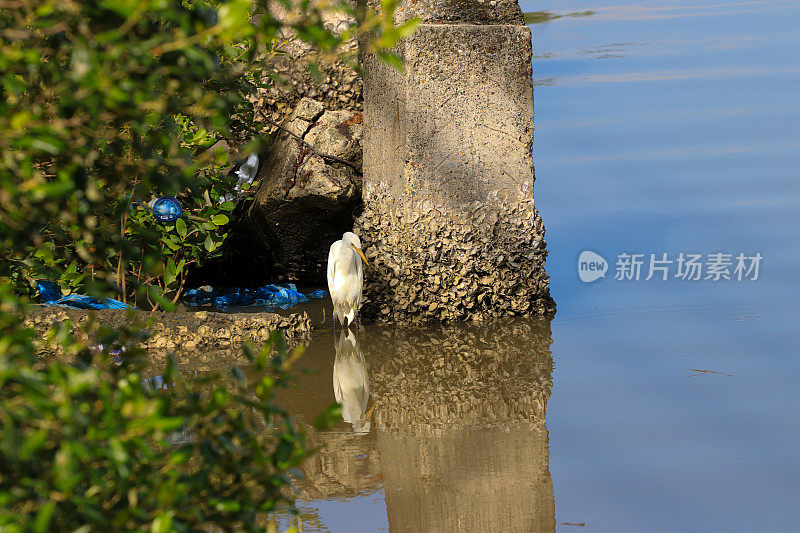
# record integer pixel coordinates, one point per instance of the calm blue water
(661, 127)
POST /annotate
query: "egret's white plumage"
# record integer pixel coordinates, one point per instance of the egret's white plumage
(351, 382)
(346, 277)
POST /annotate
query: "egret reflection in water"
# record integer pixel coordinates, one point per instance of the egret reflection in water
(351, 381)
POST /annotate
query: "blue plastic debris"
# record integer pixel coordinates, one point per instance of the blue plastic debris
(49, 291)
(167, 209)
(318, 294)
(281, 296)
(50, 294)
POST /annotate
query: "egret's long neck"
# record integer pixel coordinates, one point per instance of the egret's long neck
(348, 263)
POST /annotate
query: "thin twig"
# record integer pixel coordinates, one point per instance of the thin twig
(190, 40)
(180, 288)
(122, 274)
(302, 141)
(707, 372)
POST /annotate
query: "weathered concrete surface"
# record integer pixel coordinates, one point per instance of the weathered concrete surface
(449, 222)
(461, 12)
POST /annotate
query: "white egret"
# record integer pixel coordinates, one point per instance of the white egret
(351, 382)
(346, 277)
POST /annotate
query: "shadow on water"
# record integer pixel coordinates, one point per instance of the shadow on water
(447, 422)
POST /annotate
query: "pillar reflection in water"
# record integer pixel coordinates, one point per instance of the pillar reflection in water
(457, 441)
(460, 420)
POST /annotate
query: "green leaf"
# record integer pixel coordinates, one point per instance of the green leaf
(157, 295)
(408, 27)
(19, 120)
(219, 397)
(169, 242)
(225, 506)
(180, 456)
(41, 523)
(327, 418)
(180, 226)
(234, 18)
(126, 8)
(104, 105)
(221, 156)
(170, 272)
(47, 144)
(238, 375)
(162, 523)
(315, 72)
(391, 59)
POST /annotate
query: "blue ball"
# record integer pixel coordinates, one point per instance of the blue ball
(167, 209)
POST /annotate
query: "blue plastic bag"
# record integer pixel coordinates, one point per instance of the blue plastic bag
(50, 294)
(281, 296)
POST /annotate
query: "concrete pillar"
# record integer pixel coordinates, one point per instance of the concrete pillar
(449, 221)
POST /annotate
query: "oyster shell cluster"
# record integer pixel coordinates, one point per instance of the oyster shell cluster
(430, 262)
(481, 375)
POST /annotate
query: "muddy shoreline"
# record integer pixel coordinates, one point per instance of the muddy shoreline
(197, 338)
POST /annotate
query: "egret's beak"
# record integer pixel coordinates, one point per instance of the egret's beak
(359, 252)
(368, 413)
